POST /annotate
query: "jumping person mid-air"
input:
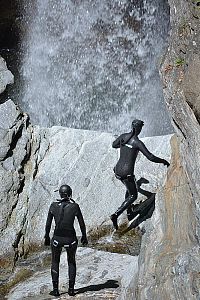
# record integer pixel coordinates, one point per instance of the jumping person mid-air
(130, 145)
(64, 212)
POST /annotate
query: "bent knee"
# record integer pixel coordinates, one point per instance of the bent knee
(131, 199)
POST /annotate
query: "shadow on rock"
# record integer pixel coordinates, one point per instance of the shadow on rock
(97, 287)
(141, 212)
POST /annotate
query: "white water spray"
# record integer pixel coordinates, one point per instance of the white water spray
(93, 64)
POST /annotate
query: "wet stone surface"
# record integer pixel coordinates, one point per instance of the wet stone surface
(100, 275)
(103, 238)
(107, 239)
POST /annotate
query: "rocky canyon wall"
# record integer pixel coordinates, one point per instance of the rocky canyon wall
(169, 263)
(34, 162)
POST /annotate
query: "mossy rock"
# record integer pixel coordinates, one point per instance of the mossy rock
(106, 239)
(20, 275)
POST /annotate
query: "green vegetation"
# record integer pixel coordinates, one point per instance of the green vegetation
(197, 2)
(179, 62)
(196, 9)
(120, 242)
(20, 276)
(184, 28)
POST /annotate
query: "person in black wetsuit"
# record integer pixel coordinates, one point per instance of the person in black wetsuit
(130, 145)
(64, 212)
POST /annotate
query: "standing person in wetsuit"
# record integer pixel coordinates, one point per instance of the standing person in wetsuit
(130, 145)
(64, 212)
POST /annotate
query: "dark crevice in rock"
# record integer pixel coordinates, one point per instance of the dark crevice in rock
(21, 186)
(15, 246)
(3, 97)
(37, 163)
(19, 118)
(35, 169)
(20, 239)
(21, 170)
(28, 123)
(180, 129)
(15, 138)
(22, 177)
(35, 172)
(22, 181)
(17, 239)
(13, 207)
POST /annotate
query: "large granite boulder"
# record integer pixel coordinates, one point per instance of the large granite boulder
(36, 161)
(169, 256)
(14, 154)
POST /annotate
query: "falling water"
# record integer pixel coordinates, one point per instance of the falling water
(93, 64)
(109, 238)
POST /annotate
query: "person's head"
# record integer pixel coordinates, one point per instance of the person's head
(65, 191)
(137, 126)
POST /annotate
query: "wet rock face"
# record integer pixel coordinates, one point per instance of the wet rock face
(169, 263)
(182, 88)
(6, 76)
(14, 154)
(100, 275)
(181, 65)
(172, 268)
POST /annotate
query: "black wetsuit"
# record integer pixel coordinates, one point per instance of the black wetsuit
(130, 145)
(64, 213)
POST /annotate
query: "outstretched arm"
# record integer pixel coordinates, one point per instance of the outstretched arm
(82, 227)
(150, 156)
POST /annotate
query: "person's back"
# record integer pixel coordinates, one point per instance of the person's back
(128, 155)
(64, 212)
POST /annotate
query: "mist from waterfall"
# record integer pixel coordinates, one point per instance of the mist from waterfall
(94, 64)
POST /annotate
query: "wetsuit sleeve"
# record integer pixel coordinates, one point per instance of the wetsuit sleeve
(149, 155)
(117, 142)
(49, 221)
(81, 222)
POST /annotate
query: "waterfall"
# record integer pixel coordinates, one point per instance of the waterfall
(94, 64)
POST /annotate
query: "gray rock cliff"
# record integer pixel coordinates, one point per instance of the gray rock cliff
(169, 261)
